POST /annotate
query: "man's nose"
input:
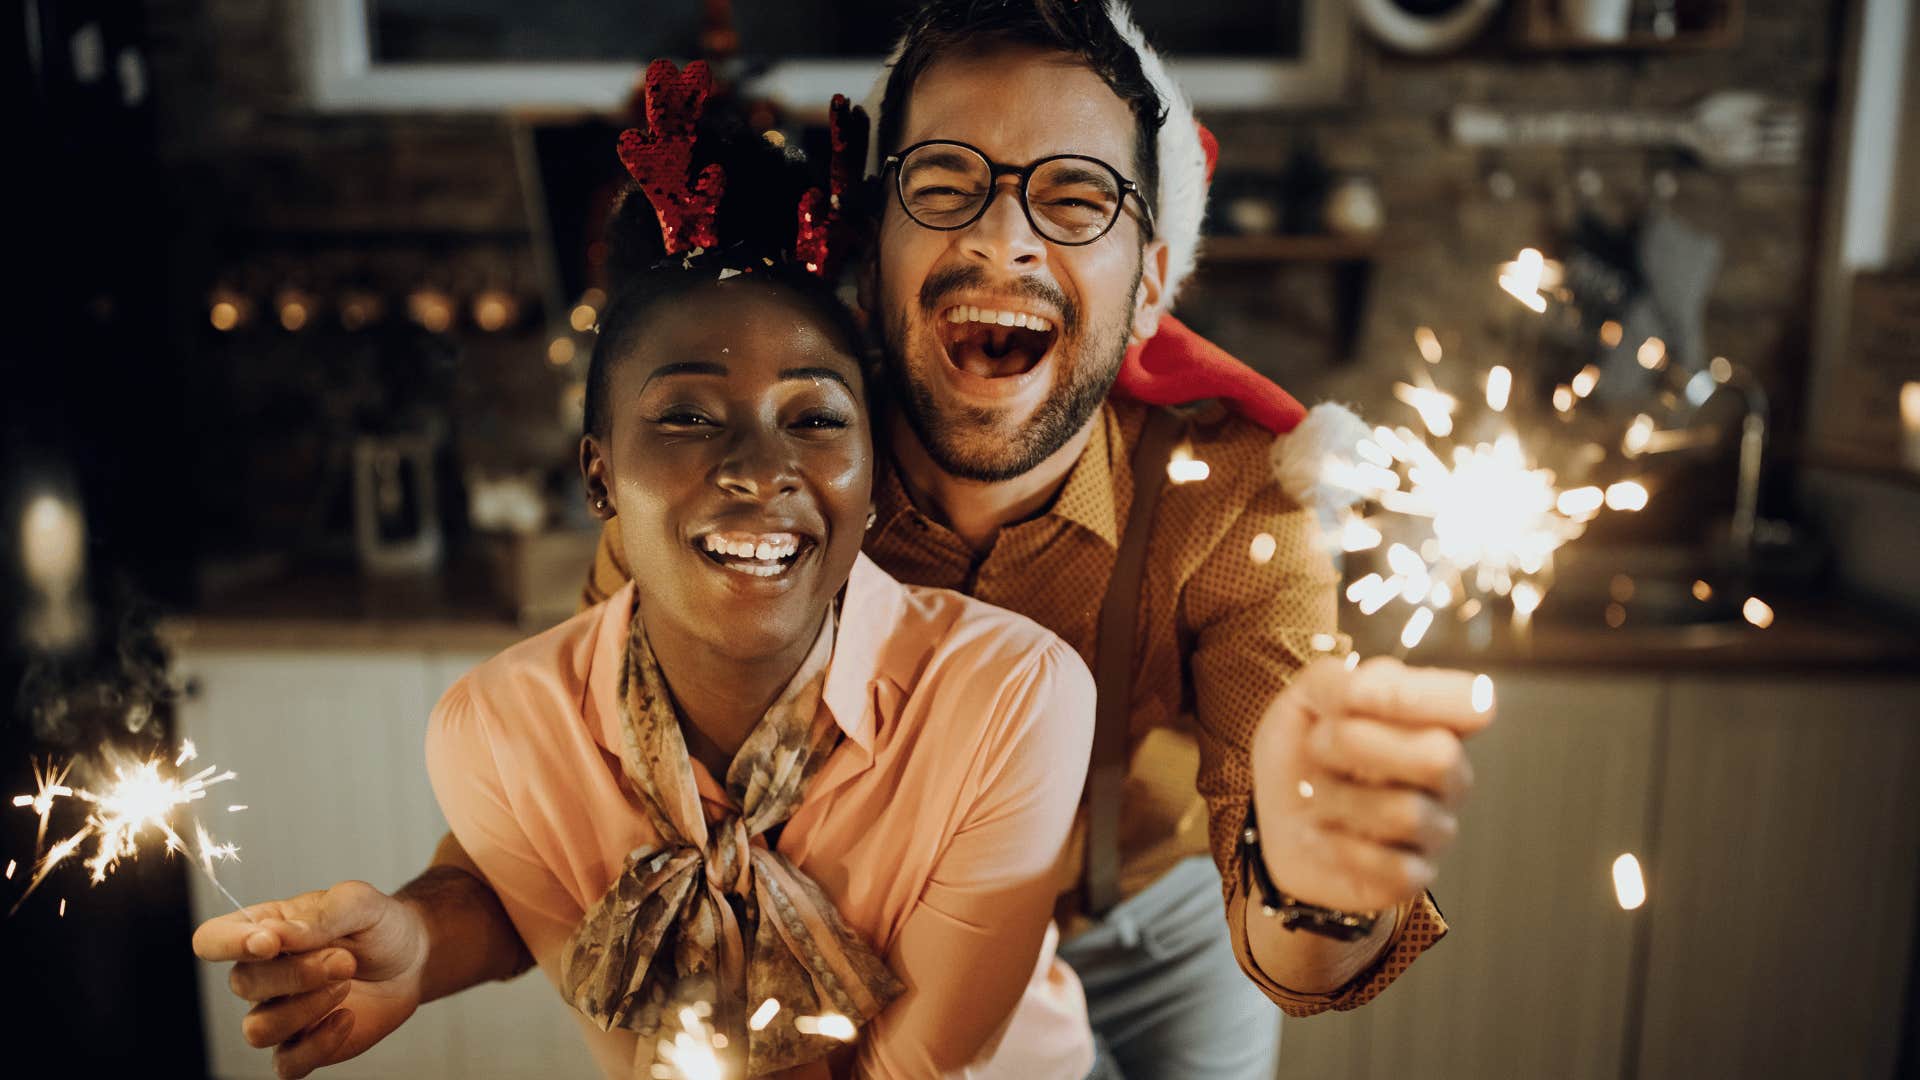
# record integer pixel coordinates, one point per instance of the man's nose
(1003, 238)
(758, 465)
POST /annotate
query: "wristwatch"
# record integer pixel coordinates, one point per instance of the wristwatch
(1296, 914)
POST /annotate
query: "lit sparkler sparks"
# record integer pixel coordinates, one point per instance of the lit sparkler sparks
(143, 797)
(693, 1053)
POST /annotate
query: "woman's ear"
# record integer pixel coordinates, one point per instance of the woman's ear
(594, 473)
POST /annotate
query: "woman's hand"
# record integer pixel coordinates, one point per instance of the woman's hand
(330, 973)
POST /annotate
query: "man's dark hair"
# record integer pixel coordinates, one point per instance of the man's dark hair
(755, 226)
(943, 29)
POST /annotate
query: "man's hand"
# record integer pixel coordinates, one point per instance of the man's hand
(1357, 776)
(330, 973)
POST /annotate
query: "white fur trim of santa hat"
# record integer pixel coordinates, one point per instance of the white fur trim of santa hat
(1180, 205)
(1329, 433)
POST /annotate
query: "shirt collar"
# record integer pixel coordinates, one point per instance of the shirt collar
(1086, 499)
(868, 612)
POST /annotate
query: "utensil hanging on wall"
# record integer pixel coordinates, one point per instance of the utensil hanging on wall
(1729, 129)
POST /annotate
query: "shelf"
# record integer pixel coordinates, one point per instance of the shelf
(1328, 248)
(1537, 28)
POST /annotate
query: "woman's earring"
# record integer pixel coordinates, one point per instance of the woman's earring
(600, 504)
(872, 516)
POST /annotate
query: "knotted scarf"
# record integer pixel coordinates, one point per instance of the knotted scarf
(713, 914)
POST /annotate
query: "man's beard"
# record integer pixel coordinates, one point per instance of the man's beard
(968, 441)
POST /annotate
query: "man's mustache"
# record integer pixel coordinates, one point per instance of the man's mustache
(942, 283)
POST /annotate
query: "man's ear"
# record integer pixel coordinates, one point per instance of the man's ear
(1148, 299)
(597, 477)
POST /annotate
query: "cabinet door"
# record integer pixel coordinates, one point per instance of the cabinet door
(1783, 897)
(328, 751)
(1532, 979)
(328, 748)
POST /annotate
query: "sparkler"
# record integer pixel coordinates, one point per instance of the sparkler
(143, 797)
(1463, 521)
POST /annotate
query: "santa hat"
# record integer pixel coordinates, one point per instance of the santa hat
(1177, 366)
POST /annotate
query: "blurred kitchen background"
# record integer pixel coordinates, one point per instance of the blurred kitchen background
(292, 405)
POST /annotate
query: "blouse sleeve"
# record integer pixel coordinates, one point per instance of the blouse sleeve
(970, 947)
(463, 761)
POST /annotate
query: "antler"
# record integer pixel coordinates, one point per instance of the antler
(659, 160)
(817, 242)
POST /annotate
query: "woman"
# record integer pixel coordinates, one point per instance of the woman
(765, 771)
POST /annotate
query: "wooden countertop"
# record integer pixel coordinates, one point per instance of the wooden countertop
(337, 610)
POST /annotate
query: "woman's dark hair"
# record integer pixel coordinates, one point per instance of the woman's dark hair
(755, 225)
(943, 29)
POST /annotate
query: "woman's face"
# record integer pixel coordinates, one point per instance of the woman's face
(739, 464)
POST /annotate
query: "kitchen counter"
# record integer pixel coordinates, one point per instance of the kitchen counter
(338, 610)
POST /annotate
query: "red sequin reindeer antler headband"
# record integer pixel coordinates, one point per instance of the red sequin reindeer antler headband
(659, 159)
(822, 236)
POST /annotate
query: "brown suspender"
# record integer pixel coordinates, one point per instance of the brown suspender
(1114, 662)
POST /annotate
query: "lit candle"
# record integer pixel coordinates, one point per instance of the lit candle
(1910, 425)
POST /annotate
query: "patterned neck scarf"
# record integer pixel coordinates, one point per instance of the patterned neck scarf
(709, 916)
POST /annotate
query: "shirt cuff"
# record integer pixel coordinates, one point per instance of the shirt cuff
(1417, 925)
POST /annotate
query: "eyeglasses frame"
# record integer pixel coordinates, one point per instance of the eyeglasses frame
(996, 170)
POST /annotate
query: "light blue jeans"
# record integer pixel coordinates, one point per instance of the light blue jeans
(1166, 997)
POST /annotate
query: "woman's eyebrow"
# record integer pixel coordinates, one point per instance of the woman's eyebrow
(685, 367)
(816, 373)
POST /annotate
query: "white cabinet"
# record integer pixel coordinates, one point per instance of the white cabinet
(1532, 980)
(1778, 819)
(328, 748)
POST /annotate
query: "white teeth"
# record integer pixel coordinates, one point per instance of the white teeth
(962, 313)
(774, 546)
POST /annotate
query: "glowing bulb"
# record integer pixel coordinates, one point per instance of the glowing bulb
(1262, 549)
(1581, 501)
(1629, 886)
(1428, 343)
(1482, 694)
(1499, 385)
(560, 352)
(1639, 433)
(583, 318)
(1585, 380)
(1185, 468)
(1416, 627)
(1626, 495)
(1757, 612)
(224, 316)
(1702, 591)
(831, 1025)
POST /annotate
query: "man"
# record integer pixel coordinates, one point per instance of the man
(1031, 234)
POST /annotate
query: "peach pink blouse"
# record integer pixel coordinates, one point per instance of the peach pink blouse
(935, 826)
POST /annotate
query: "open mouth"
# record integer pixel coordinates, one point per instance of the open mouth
(996, 344)
(760, 555)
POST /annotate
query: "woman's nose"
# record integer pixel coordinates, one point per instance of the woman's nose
(758, 465)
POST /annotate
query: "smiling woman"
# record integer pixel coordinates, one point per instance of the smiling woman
(764, 790)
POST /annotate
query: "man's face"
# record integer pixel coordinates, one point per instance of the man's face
(991, 401)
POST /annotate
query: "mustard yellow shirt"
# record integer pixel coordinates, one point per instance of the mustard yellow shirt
(1220, 635)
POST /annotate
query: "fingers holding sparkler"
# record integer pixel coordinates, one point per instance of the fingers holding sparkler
(1380, 748)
